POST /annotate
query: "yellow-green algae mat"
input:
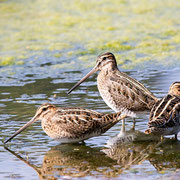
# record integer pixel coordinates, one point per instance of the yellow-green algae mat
(137, 31)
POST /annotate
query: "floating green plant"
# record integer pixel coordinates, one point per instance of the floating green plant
(116, 46)
(7, 61)
(80, 28)
(58, 55)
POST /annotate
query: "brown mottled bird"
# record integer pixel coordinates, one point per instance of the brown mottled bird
(165, 115)
(117, 89)
(70, 125)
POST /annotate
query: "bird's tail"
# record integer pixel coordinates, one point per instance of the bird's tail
(110, 120)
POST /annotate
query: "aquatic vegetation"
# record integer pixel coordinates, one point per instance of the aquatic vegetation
(116, 46)
(57, 55)
(79, 28)
(7, 61)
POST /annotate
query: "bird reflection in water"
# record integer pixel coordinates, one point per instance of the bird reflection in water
(70, 160)
(167, 156)
(130, 147)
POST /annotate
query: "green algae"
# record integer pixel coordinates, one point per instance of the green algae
(116, 46)
(80, 28)
(58, 55)
(155, 46)
(7, 61)
(10, 60)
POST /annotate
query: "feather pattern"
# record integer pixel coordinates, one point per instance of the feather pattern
(78, 123)
(117, 89)
(69, 125)
(121, 90)
(165, 115)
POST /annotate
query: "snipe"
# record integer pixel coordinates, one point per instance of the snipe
(165, 115)
(70, 125)
(117, 89)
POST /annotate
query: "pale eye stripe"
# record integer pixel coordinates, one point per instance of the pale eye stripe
(46, 112)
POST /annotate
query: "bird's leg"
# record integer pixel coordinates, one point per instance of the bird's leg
(134, 124)
(123, 125)
(175, 137)
(82, 142)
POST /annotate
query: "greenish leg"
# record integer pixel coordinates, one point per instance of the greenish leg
(134, 124)
(123, 126)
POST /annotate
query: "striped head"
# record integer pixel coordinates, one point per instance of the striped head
(40, 113)
(44, 108)
(174, 89)
(106, 61)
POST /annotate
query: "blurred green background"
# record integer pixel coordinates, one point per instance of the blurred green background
(138, 32)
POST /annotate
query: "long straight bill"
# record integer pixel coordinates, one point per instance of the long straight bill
(83, 79)
(22, 129)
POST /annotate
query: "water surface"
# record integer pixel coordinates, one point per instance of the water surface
(46, 158)
(45, 47)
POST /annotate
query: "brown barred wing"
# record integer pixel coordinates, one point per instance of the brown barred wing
(77, 123)
(130, 92)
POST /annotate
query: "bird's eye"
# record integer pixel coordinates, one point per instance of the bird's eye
(44, 109)
(104, 58)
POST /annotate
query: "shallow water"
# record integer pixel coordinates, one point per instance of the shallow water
(45, 158)
(46, 47)
(137, 31)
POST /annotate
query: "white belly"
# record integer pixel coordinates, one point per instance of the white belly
(65, 137)
(74, 140)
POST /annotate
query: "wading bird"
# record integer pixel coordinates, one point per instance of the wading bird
(117, 89)
(71, 125)
(165, 115)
